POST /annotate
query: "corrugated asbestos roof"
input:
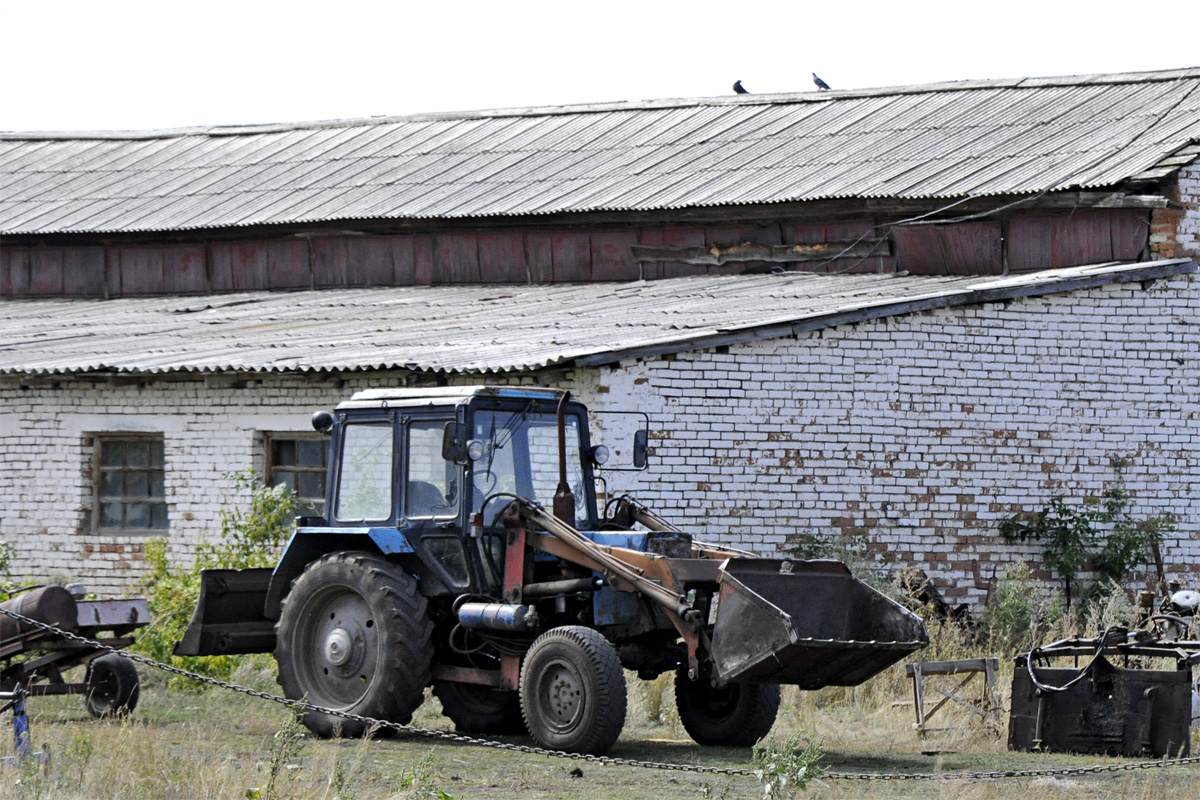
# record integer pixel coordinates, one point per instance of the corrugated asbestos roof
(938, 141)
(481, 329)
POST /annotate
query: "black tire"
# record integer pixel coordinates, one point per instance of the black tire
(573, 691)
(117, 686)
(734, 715)
(354, 636)
(481, 709)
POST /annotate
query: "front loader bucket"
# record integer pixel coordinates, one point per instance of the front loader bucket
(229, 618)
(809, 623)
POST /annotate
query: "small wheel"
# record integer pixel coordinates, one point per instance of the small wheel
(733, 715)
(573, 691)
(480, 709)
(354, 636)
(116, 686)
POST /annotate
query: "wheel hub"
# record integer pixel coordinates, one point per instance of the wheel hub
(564, 696)
(339, 646)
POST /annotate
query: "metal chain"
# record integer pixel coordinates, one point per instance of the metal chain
(301, 705)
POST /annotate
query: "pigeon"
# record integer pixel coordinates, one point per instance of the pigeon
(822, 85)
(737, 87)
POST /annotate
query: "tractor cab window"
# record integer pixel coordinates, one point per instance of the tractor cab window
(520, 456)
(431, 488)
(365, 482)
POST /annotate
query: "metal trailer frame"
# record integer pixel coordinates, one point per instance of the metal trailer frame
(36, 659)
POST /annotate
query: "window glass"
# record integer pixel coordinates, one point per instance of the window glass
(521, 457)
(432, 487)
(298, 463)
(365, 482)
(130, 484)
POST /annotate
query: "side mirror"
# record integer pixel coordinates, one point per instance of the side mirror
(454, 443)
(641, 447)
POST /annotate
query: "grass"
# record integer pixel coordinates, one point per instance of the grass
(215, 744)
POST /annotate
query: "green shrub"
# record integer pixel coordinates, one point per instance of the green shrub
(1018, 615)
(251, 536)
(1098, 533)
(784, 768)
(852, 549)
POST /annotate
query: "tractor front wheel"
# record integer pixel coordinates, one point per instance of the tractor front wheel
(573, 691)
(354, 637)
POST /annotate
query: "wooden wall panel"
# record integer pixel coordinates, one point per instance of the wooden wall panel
(14, 271)
(142, 270)
(612, 256)
(422, 245)
(287, 264)
(683, 237)
(1072, 240)
(52, 272)
(399, 250)
(83, 272)
(547, 255)
(539, 253)
(1084, 237)
(572, 254)
(238, 267)
(502, 258)
(1130, 233)
(965, 248)
(370, 262)
(330, 261)
(650, 270)
(456, 258)
(45, 272)
(1030, 243)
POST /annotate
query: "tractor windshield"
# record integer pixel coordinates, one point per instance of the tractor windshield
(520, 457)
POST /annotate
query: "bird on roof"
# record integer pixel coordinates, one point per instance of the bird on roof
(739, 89)
(822, 85)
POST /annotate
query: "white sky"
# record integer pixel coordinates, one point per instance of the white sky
(128, 64)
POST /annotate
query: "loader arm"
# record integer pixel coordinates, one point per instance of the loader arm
(623, 568)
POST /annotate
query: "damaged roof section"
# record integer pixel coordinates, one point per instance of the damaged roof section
(485, 329)
(968, 139)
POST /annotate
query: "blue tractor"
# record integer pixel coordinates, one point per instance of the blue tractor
(467, 544)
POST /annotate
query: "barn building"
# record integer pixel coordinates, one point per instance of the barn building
(906, 312)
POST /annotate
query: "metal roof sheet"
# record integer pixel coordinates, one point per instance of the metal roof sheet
(482, 329)
(938, 141)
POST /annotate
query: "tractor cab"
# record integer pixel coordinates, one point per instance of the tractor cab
(428, 472)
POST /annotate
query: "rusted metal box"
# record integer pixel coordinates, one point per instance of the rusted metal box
(1113, 704)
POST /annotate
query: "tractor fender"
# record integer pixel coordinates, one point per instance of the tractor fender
(310, 543)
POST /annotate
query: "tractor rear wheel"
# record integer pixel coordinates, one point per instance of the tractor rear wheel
(573, 691)
(354, 637)
(480, 709)
(733, 715)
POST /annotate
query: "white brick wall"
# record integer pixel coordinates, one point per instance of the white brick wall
(922, 430)
(926, 430)
(1188, 230)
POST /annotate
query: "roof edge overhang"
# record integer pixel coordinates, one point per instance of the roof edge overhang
(1006, 288)
(1057, 200)
(998, 289)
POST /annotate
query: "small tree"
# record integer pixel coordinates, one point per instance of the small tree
(1100, 533)
(251, 536)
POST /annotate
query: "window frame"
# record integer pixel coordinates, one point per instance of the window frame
(334, 493)
(99, 499)
(271, 438)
